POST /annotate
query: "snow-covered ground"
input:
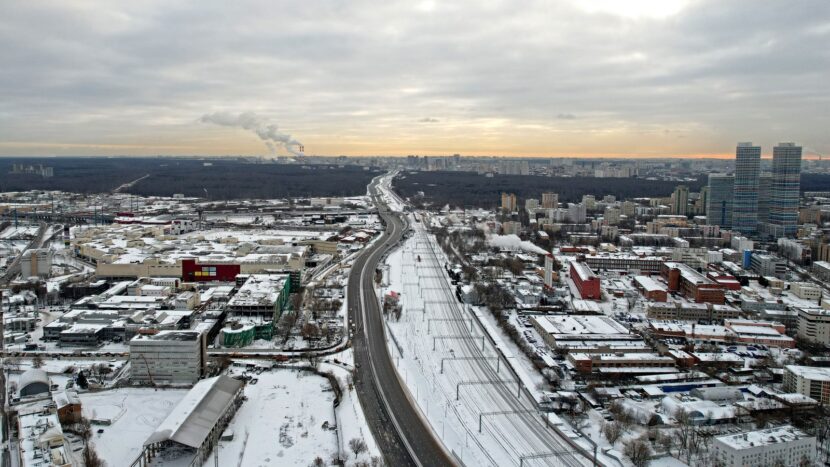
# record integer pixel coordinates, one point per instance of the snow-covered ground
(282, 422)
(350, 418)
(134, 414)
(476, 382)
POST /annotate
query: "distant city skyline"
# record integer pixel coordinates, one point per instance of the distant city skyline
(567, 78)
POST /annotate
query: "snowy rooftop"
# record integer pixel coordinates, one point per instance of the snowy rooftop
(583, 270)
(755, 330)
(259, 290)
(771, 436)
(810, 372)
(578, 325)
(689, 274)
(168, 336)
(644, 356)
(38, 430)
(648, 284)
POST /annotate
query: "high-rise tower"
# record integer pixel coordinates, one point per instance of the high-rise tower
(745, 201)
(719, 200)
(785, 192)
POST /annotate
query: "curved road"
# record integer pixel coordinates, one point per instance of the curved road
(397, 425)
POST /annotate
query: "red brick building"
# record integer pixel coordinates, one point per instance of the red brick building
(693, 285)
(586, 281)
(651, 289)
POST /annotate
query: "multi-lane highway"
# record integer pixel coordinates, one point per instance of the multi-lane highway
(396, 423)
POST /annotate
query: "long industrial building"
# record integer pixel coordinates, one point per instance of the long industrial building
(192, 429)
(585, 280)
(626, 263)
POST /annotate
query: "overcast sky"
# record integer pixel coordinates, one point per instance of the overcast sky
(546, 78)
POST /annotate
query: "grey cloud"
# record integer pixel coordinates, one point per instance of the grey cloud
(116, 71)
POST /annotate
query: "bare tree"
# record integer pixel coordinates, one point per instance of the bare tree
(13, 362)
(665, 441)
(91, 458)
(358, 446)
(310, 331)
(37, 361)
(684, 428)
(638, 450)
(85, 428)
(317, 462)
(821, 429)
(612, 431)
(296, 300)
(581, 422)
(621, 414)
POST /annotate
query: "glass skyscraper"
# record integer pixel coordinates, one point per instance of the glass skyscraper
(785, 192)
(764, 194)
(719, 200)
(745, 200)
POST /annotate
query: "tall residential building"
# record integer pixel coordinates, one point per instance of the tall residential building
(680, 200)
(745, 200)
(811, 381)
(577, 213)
(702, 201)
(764, 196)
(508, 202)
(550, 200)
(612, 215)
(590, 202)
(785, 193)
(629, 208)
(719, 202)
(814, 324)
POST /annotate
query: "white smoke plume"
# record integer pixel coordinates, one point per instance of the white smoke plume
(513, 242)
(267, 132)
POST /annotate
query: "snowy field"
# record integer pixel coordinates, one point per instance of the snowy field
(134, 412)
(476, 383)
(281, 423)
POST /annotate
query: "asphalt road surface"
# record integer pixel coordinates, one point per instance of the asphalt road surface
(401, 433)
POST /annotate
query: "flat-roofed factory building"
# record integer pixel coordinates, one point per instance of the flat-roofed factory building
(167, 357)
